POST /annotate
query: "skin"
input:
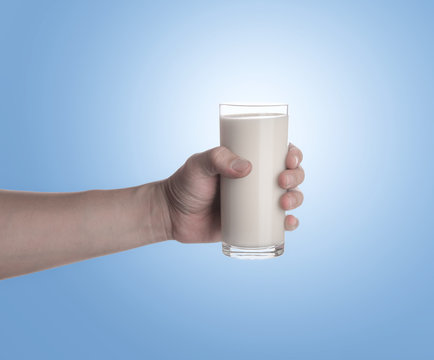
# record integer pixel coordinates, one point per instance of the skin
(44, 230)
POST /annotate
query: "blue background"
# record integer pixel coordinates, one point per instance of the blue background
(114, 94)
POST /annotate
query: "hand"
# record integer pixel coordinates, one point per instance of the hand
(193, 192)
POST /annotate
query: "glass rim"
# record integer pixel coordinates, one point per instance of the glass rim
(253, 104)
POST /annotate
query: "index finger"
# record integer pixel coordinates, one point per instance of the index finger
(294, 157)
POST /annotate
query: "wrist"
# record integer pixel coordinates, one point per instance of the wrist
(156, 225)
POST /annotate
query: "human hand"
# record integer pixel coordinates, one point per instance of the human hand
(193, 192)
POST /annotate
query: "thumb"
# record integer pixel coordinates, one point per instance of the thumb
(220, 160)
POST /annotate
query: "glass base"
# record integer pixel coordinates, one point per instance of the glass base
(253, 253)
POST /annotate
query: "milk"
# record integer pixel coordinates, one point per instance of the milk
(251, 215)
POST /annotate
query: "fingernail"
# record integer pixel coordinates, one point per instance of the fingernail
(296, 161)
(239, 165)
(289, 180)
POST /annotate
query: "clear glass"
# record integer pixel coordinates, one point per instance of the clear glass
(252, 220)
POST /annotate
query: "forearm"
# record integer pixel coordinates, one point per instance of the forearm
(42, 230)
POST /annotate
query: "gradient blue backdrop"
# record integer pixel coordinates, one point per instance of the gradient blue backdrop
(117, 93)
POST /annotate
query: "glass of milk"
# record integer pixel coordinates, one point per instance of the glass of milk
(252, 220)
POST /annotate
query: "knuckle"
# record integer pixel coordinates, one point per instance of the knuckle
(300, 197)
(192, 160)
(302, 175)
(296, 151)
(294, 199)
(292, 148)
(216, 154)
(216, 157)
(300, 155)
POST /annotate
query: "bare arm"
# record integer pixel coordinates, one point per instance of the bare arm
(43, 230)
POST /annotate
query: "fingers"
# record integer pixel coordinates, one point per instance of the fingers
(291, 199)
(294, 157)
(220, 160)
(289, 179)
(291, 222)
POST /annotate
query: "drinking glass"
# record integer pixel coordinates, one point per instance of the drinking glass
(252, 220)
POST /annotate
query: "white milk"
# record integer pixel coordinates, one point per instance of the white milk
(251, 214)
